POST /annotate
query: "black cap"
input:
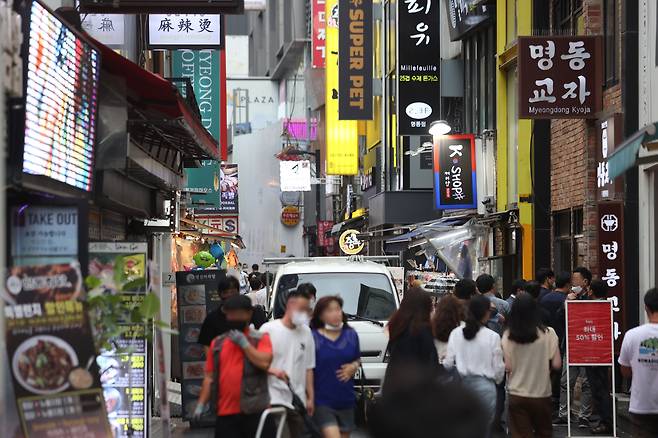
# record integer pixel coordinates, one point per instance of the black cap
(238, 302)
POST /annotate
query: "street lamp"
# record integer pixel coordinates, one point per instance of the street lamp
(439, 127)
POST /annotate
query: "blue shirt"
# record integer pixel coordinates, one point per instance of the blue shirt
(329, 357)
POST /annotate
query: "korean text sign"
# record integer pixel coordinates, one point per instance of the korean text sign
(355, 60)
(418, 66)
(611, 260)
(319, 33)
(559, 77)
(589, 332)
(454, 172)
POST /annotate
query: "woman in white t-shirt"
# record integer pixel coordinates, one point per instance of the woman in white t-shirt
(531, 351)
(476, 352)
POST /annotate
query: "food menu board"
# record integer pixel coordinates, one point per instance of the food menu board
(121, 269)
(197, 296)
(60, 102)
(51, 353)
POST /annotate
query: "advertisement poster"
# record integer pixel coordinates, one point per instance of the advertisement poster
(203, 184)
(589, 332)
(51, 353)
(43, 231)
(355, 60)
(197, 296)
(121, 269)
(454, 172)
(418, 66)
(229, 188)
(560, 77)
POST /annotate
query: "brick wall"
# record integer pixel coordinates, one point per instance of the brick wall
(573, 158)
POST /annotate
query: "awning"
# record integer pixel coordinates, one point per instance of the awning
(356, 223)
(625, 155)
(419, 234)
(167, 120)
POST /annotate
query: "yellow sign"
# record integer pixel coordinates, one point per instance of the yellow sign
(342, 136)
(350, 243)
(290, 216)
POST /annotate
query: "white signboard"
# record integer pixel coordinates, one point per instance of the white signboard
(295, 176)
(185, 31)
(106, 28)
(44, 231)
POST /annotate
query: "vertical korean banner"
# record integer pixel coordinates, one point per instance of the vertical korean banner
(419, 65)
(455, 184)
(560, 77)
(611, 261)
(610, 135)
(51, 353)
(319, 34)
(202, 67)
(355, 60)
(342, 136)
(120, 268)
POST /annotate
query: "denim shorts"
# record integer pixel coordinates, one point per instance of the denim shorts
(326, 417)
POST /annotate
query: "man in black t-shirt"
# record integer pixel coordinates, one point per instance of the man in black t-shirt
(215, 322)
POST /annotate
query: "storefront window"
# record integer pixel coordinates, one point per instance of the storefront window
(511, 21)
(611, 32)
(568, 235)
(568, 17)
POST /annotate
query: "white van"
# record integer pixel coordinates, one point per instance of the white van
(369, 294)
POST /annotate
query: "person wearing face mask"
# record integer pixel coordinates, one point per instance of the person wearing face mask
(237, 365)
(293, 361)
(581, 278)
(337, 354)
(312, 293)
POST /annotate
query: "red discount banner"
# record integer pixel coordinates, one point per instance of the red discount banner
(589, 333)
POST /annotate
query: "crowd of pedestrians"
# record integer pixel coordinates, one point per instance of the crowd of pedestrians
(477, 361)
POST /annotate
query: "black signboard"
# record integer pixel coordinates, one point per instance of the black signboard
(51, 354)
(355, 60)
(454, 172)
(466, 15)
(162, 6)
(197, 297)
(419, 65)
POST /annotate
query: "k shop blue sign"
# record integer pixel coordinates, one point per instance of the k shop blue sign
(455, 185)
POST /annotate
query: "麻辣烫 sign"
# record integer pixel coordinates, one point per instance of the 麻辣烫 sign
(355, 60)
(418, 66)
(559, 77)
(185, 31)
(454, 172)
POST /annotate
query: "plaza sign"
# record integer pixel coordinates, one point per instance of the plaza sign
(560, 77)
(162, 6)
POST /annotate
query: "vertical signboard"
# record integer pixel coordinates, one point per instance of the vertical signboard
(197, 296)
(319, 33)
(454, 172)
(342, 136)
(419, 65)
(355, 60)
(202, 68)
(560, 77)
(611, 260)
(51, 353)
(120, 267)
(610, 134)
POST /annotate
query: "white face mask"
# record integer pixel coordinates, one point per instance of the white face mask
(312, 304)
(576, 289)
(333, 328)
(299, 319)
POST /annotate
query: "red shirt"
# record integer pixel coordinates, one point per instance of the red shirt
(231, 366)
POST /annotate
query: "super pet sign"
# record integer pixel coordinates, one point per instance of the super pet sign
(163, 6)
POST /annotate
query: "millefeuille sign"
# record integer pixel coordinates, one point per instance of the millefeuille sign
(355, 60)
(162, 6)
(560, 77)
(418, 66)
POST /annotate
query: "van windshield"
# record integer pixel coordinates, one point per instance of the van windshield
(365, 294)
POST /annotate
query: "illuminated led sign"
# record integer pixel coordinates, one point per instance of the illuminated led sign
(61, 102)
